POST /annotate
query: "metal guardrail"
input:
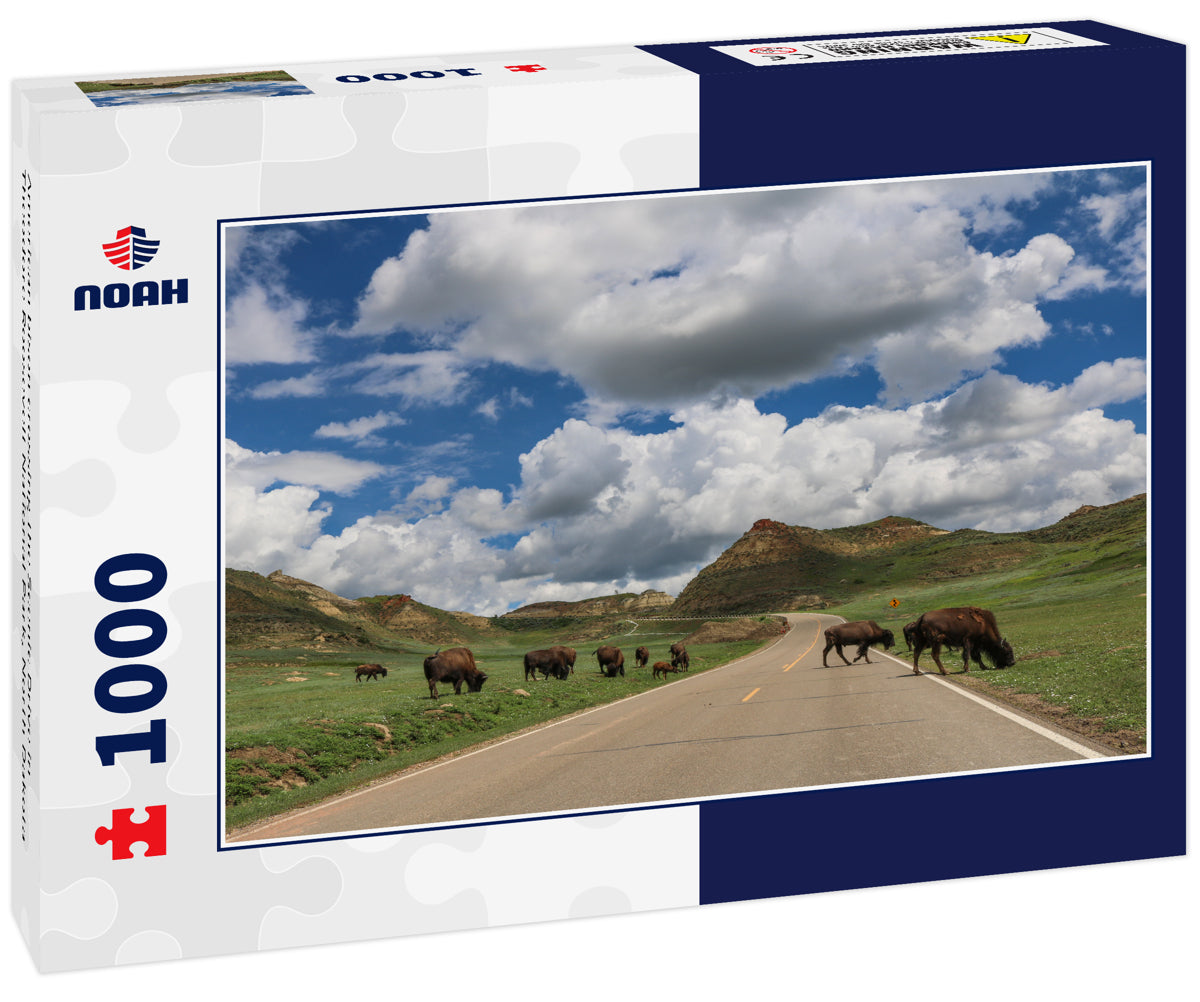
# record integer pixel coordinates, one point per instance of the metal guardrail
(685, 619)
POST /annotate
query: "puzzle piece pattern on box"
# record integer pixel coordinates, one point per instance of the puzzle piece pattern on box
(125, 408)
(651, 160)
(599, 123)
(592, 864)
(85, 909)
(163, 907)
(386, 172)
(299, 131)
(218, 135)
(104, 457)
(148, 947)
(169, 903)
(374, 900)
(467, 144)
(84, 489)
(91, 145)
(421, 882)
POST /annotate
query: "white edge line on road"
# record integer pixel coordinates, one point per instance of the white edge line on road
(1045, 732)
(248, 838)
(248, 841)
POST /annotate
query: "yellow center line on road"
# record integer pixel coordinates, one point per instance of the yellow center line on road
(807, 649)
(794, 663)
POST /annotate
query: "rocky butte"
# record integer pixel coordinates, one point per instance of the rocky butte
(775, 566)
(646, 603)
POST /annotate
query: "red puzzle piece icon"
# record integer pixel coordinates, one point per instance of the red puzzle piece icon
(124, 832)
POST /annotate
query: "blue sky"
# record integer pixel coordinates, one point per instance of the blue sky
(488, 407)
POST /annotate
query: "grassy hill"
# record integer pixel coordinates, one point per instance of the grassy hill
(1073, 608)
(1070, 597)
(265, 610)
(774, 567)
(282, 611)
(279, 612)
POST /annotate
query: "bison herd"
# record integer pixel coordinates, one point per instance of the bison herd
(972, 629)
(611, 660)
(557, 661)
(966, 628)
(456, 666)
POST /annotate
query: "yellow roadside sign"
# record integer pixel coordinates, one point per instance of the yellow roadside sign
(895, 603)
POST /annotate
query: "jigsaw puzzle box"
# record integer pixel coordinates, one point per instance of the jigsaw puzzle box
(353, 396)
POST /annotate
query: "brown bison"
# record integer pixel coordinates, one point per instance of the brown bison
(612, 661)
(568, 654)
(910, 637)
(679, 655)
(548, 662)
(662, 668)
(972, 629)
(862, 634)
(641, 657)
(371, 671)
(456, 666)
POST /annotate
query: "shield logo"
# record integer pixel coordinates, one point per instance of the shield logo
(131, 249)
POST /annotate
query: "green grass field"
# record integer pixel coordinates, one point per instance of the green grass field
(300, 729)
(1076, 620)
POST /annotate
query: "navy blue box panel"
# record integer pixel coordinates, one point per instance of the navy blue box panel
(940, 114)
(922, 115)
(702, 57)
(966, 826)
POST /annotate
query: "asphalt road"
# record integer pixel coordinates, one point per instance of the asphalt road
(775, 720)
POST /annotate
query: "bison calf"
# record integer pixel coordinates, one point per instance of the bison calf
(568, 656)
(611, 660)
(371, 671)
(662, 668)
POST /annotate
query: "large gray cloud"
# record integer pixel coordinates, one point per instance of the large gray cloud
(657, 302)
(694, 307)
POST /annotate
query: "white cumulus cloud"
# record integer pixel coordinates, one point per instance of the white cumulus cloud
(361, 431)
(603, 509)
(659, 301)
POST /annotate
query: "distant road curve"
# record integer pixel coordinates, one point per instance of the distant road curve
(773, 720)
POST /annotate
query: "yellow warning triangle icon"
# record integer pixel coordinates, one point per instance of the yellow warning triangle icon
(1014, 39)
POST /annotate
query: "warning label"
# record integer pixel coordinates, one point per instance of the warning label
(787, 53)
